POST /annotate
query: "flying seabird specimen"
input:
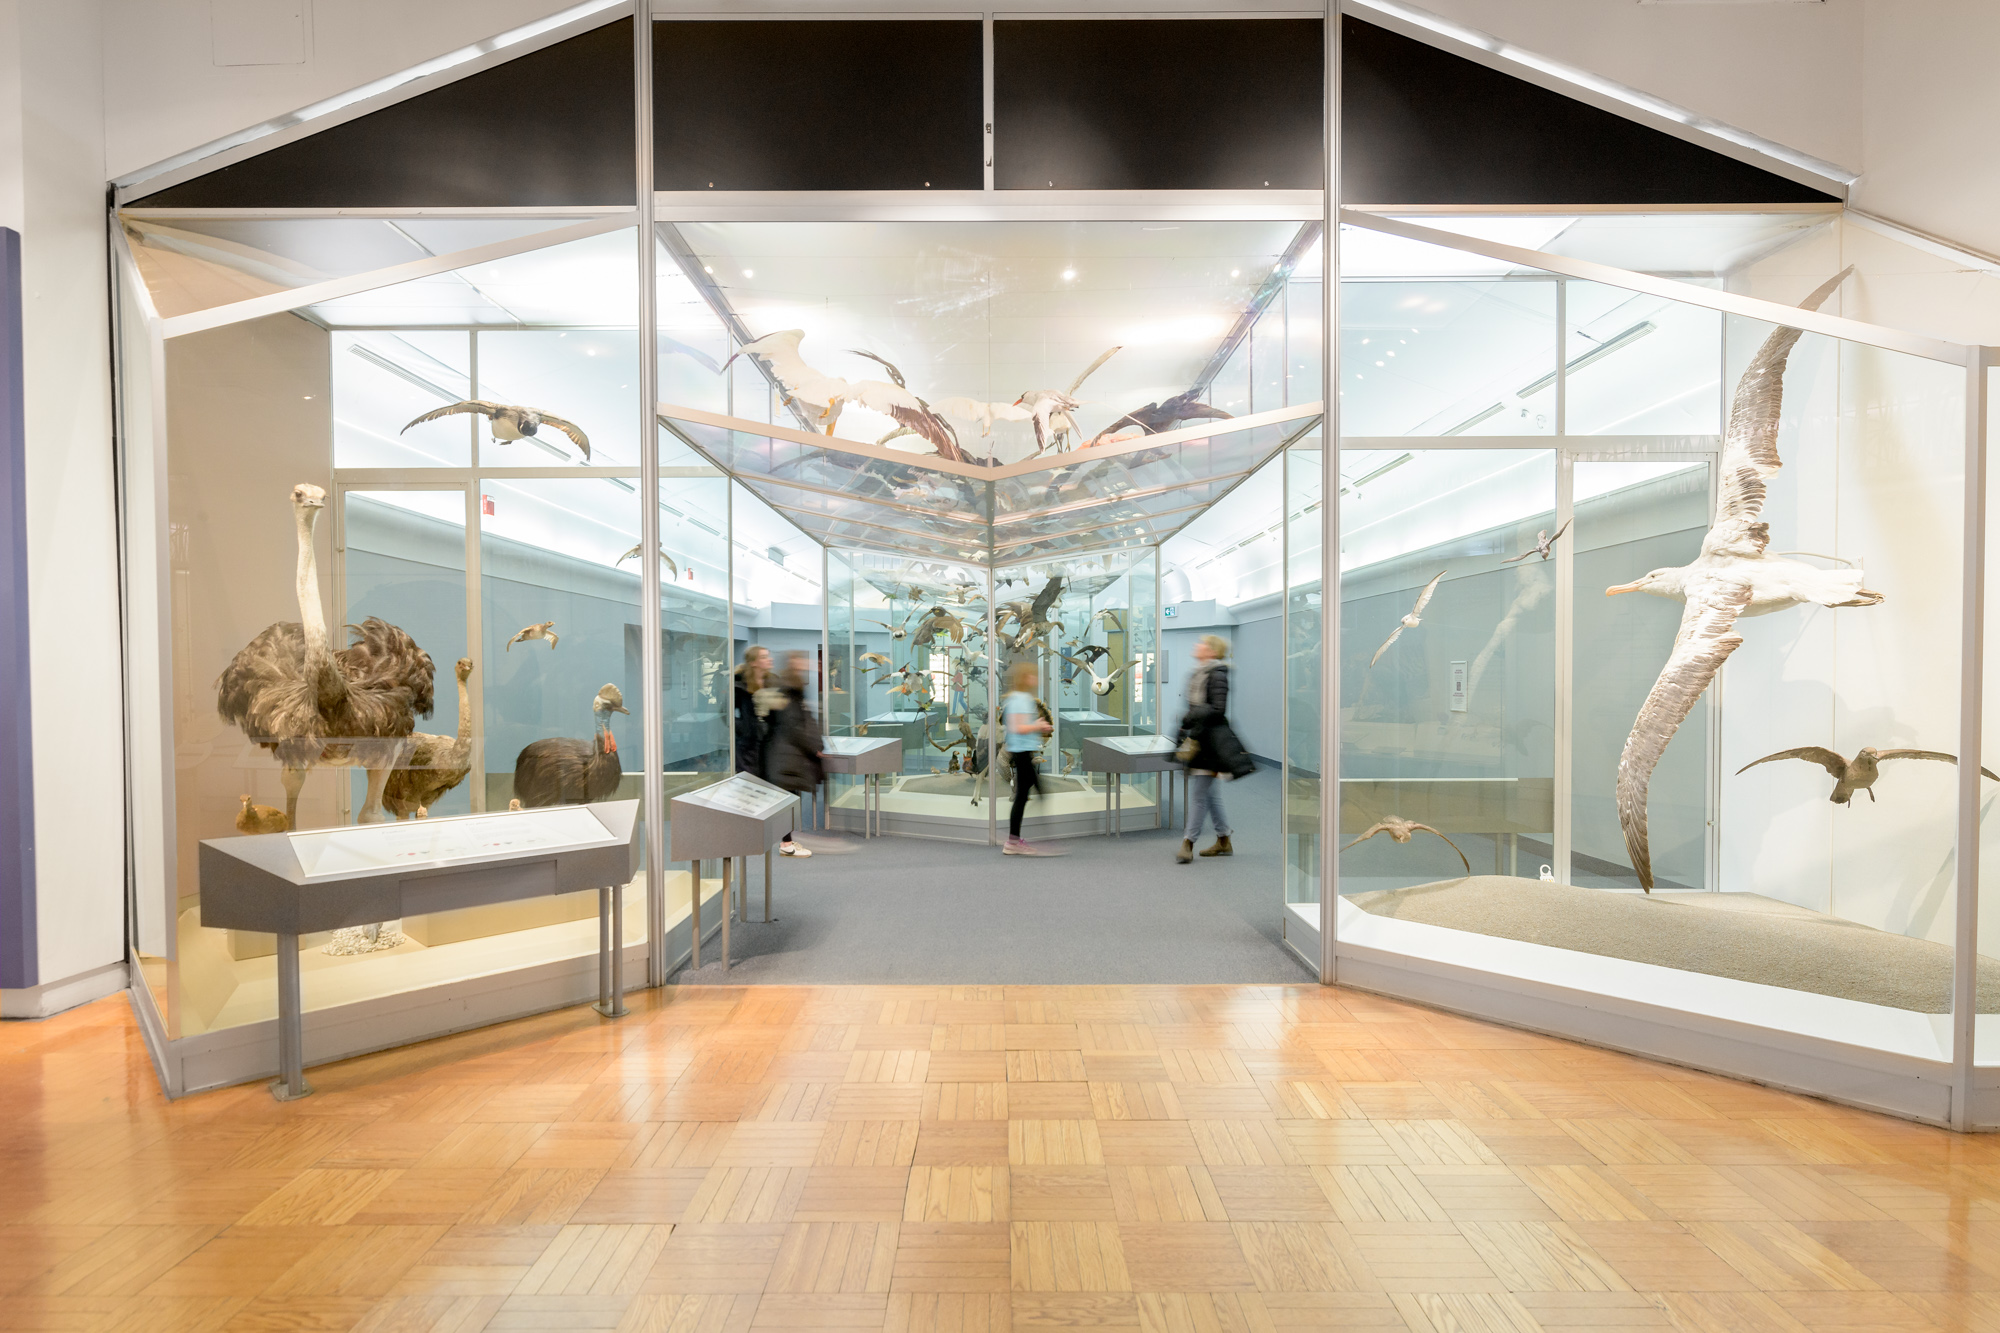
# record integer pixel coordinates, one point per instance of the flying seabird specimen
(1050, 408)
(1400, 830)
(1731, 578)
(827, 394)
(1156, 417)
(873, 659)
(633, 554)
(1412, 620)
(1543, 541)
(310, 706)
(1859, 773)
(1101, 685)
(545, 630)
(510, 423)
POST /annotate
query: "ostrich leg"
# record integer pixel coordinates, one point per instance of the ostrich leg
(371, 807)
(294, 779)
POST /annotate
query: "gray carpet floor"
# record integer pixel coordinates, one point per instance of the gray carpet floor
(1110, 911)
(1740, 935)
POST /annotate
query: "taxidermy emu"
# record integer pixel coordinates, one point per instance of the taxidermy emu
(435, 764)
(309, 705)
(563, 771)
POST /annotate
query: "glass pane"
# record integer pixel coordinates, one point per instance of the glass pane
(1641, 365)
(384, 382)
(1465, 356)
(694, 629)
(586, 377)
(1303, 712)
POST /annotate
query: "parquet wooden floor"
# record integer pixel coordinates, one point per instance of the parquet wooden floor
(967, 1160)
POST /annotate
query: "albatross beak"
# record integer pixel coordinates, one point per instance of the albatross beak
(1617, 588)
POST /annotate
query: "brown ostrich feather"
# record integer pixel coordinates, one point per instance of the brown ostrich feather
(266, 691)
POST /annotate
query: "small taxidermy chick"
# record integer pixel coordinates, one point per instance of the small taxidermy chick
(260, 818)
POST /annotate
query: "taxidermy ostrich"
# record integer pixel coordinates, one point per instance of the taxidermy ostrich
(309, 705)
(563, 771)
(435, 764)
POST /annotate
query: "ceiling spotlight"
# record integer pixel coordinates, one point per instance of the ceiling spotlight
(749, 273)
(707, 269)
(1235, 272)
(1069, 275)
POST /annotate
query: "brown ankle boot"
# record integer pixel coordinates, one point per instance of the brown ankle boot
(1221, 847)
(1186, 853)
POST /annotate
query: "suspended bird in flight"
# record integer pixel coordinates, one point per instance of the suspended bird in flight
(873, 659)
(1859, 773)
(510, 423)
(1101, 685)
(545, 630)
(826, 395)
(1731, 578)
(1156, 417)
(1412, 620)
(1050, 408)
(1401, 830)
(1543, 541)
(633, 554)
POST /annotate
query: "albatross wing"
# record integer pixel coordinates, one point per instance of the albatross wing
(1834, 764)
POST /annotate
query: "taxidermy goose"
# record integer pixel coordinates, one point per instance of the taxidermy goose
(1859, 773)
(1401, 830)
(435, 764)
(1731, 578)
(1101, 685)
(563, 771)
(510, 423)
(1050, 409)
(828, 394)
(308, 705)
(1412, 620)
(635, 552)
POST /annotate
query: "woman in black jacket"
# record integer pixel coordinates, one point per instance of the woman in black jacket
(1217, 752)
(755, 698)
(792, 738)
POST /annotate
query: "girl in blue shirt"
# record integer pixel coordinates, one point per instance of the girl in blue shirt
(1022, 721)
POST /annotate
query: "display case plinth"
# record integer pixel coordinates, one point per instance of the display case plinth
(732, 820)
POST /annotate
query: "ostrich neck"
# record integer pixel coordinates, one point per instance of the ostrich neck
(327, 680)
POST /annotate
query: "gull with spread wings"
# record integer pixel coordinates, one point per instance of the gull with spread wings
(1401, 830)
(1543, 541)
(1859, 773)
(1734, 576)
(1412, 620)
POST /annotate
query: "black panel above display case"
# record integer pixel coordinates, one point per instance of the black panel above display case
(552, 127)
(1424, 126)
(1170, 104)
(817, 105)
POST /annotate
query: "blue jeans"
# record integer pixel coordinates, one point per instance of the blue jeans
(1205, 799)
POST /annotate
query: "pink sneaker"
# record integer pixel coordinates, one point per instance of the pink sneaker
(1026, 848)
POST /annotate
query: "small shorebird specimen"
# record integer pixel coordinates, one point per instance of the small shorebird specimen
(545, 630)
(1543, 541)
(1412, 620)
(873, 659)
(1050, 408)
(609, 700)
(1734, 576)
(1102, 685)
(510, 423)
(1859, 773)
(260, 818)
(1109, 618)
(827, 394)
(634, 553)
(901, 631)
(1400, 830)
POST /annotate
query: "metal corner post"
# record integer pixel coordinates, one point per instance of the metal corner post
(1329, 519)
(653, 748)
(1971, 725)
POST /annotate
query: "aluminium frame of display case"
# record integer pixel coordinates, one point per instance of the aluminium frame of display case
(1970, 1093)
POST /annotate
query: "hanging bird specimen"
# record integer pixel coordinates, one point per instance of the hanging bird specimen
(1401, 830)
(1543, 541)
(1102, 685)
(1050, 409)
(1154, 418)
(254, 818)
(633, 554)
(1732, 577)
(1859, 773)
(826, 395)
(873, 660)
(1412, 620)
(311, 706)
(545, 630)
(435, 764)
(510, 423)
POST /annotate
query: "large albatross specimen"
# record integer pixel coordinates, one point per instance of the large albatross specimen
(1732, 577)
(827, 394)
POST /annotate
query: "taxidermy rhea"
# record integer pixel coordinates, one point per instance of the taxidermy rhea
(1859, 773)
(562, 771)
(309, 705)
(1732, 577)
(826, 395)
(510, 423)
(435, 764)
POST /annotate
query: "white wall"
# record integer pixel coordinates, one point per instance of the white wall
(51, 190)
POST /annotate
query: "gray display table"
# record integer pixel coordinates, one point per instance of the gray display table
(1115, 756)
(733, 820)
(293, 884)
(868, 758)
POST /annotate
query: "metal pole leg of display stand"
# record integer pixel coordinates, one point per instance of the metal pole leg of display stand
(291, 1084)
(694, 916)
(767, 886)
(1117, 805)
(728, 904)
(611, 953)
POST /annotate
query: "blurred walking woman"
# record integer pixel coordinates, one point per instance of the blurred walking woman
(757, 693)
(1209, 748)
(1025, 728)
